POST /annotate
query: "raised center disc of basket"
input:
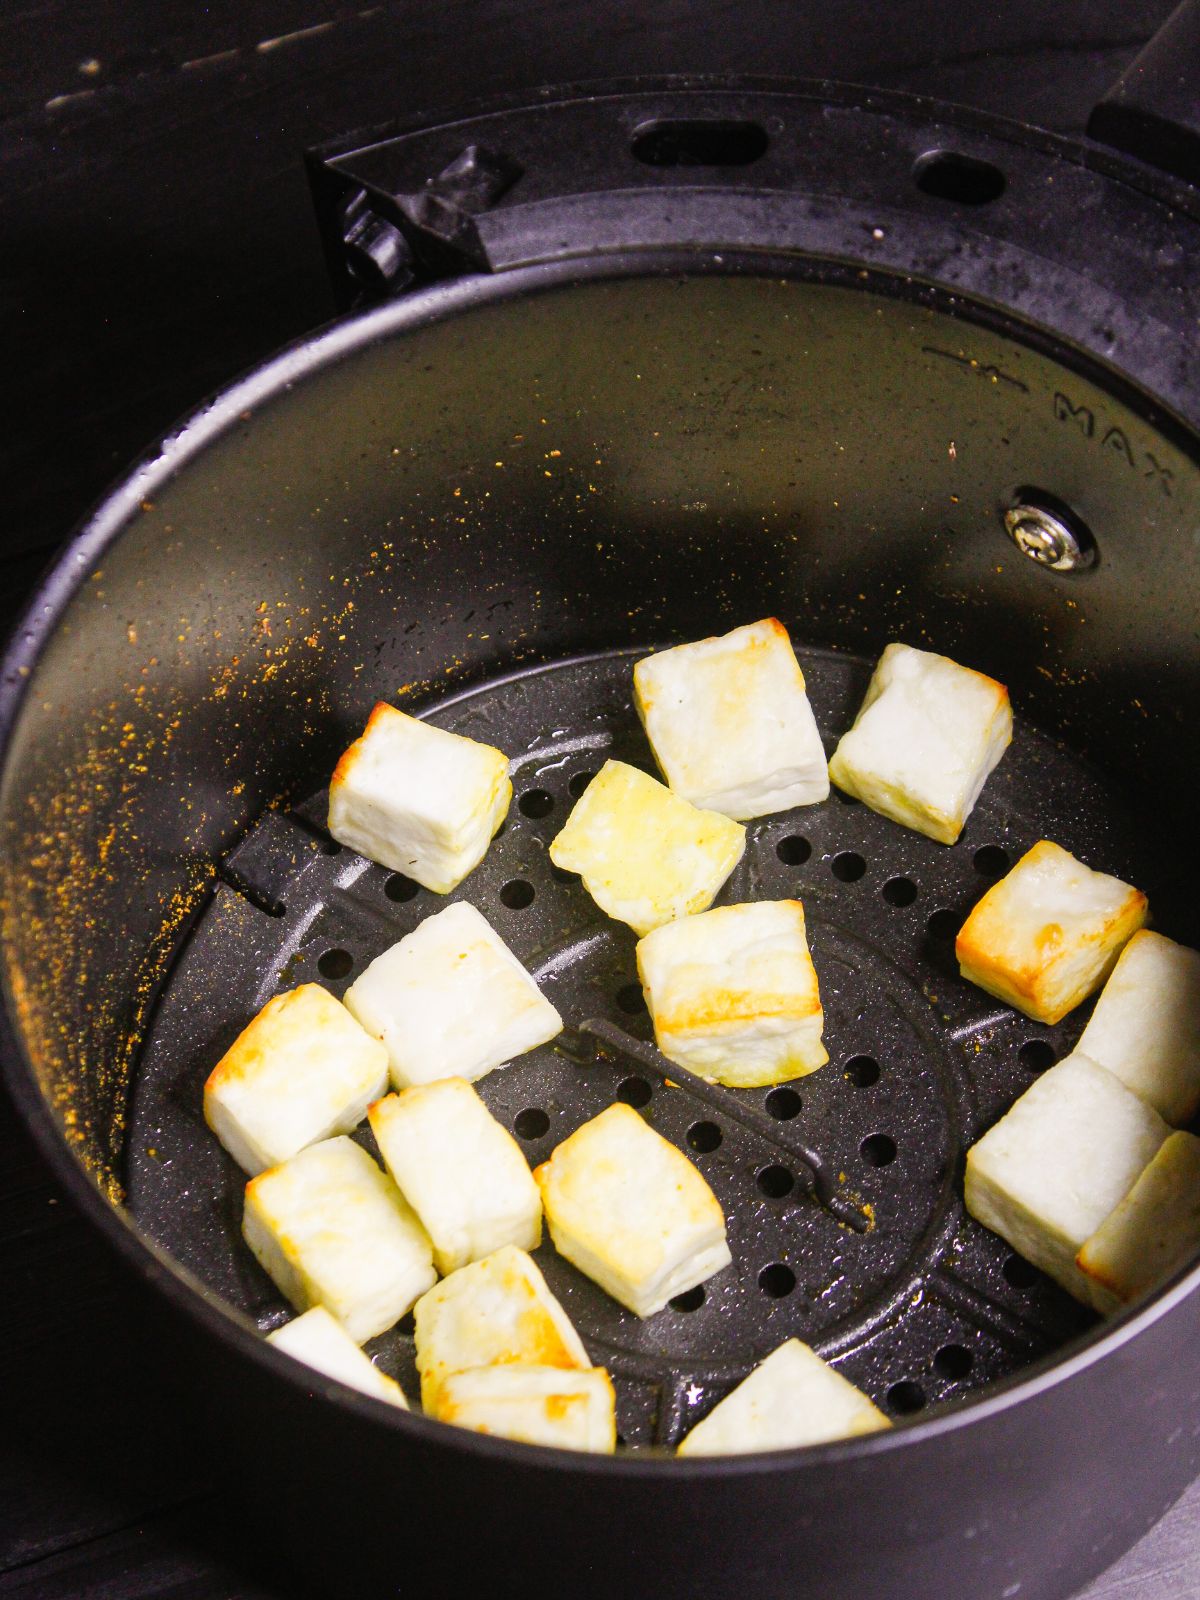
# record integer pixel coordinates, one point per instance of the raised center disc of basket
(922, 1307)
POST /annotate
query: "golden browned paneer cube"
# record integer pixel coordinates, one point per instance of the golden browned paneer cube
(302, 1071)
(645, 855)
(1152, 1233)
(632, 1212)
(733, 993)
(538, 1405)
(493, 1313)
(1047, 935)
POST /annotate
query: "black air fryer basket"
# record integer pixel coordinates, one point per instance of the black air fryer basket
(626, 367)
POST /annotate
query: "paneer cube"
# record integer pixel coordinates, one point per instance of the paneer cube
(1152, 1233)
(321, 1342)
(332, 1230)
(925, 740)
(645, 855)
(730, 723)
(538, 1405)
(301, 1071)
(450, 1000)
(1046, 936)
(631, 1212)
(1146, 1025)
(417, 799)
(733, 993)
(1048, 1173)
(792, 1398)
(462, 1173)
(495, 1312)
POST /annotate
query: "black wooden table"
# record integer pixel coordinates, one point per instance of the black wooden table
(155, 239)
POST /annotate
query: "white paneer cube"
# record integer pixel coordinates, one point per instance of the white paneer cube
(321, 1342)
(462, 1173)
(645, 855)
(733, 993)
(792, 1398)
(538, 1405)
(631, 1212)
(334, 1231)
(417, 799)
(1048, 1173)
(1152, 1233)
(1046, 936)
(925, 740)
(1146, 1025)
(493, 1313)
(301, 1071)
(730, 723)
(450, 1000)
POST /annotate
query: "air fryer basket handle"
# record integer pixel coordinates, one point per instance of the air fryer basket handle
(1153, 109)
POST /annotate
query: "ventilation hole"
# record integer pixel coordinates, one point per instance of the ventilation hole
(398, 887)
(906, 1397)
(536, 803)
(579, 783)
(407, 1325)
(690, 1300)
(862, 1071)
(783, 1104)
(991, 861)
(1036, 1054)
(899, 891)
(330, 847)
(1019, 1272)
(517, 894)
(793, 850)
(944, 925)
(703, 1137)
(335, 963)
(531, 1123)
(621, 1440)
(777, 1280)
(775, 1182)
(696, 142)
(561, 875)
(848, 867)
(634, 1092)
(500, 831)
(630, 998)
(878, 1150)
(963, 180)
(846, 799)
(953, 1361)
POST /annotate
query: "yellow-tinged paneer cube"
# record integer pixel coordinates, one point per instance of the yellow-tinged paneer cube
(645, 855)
(462, 1173)
(631, 1212)
(1146, 1025)
(302, 1071)
(733, 993)
(493, 1313)
(417, 799)
(1056, 1164)
(792, 1398)
(537, 1405)
(320, 1342)
(1152, 1233)
(1046, 936)
(927, 736)
(450, 1000)
(332, 1230)
(730, 723)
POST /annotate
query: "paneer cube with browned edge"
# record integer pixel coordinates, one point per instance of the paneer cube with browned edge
(417, 799)
(733, 993)
(632, 1212)
(1152, 1233)
(574, 1410)
(1048, 934)
(730, 724)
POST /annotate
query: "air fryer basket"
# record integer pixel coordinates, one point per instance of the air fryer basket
(482, 504)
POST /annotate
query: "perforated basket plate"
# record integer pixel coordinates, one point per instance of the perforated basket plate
(925, 1307)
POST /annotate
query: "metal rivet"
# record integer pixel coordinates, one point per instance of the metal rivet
(1045, 537)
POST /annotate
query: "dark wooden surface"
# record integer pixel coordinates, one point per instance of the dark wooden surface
(154, 240)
